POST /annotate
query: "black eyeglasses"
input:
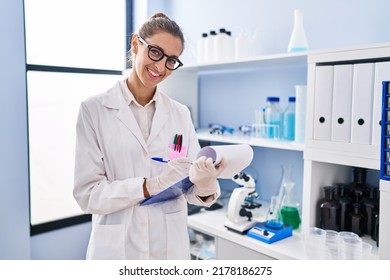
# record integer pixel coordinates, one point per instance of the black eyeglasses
(157, 54)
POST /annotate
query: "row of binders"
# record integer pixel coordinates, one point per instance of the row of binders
(348, 102)
(385, 145)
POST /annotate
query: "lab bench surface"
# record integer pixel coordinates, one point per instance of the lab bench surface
(212, 223)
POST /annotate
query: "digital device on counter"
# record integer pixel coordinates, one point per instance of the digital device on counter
(269, 235)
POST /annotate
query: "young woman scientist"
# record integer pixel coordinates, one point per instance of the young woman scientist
(118, 132)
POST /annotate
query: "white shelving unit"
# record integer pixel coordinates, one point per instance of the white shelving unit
(252, 141)
(254, 62)
(327, 162)
(324, 162)
(183, 84)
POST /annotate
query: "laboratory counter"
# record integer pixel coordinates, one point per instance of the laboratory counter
(233, 245)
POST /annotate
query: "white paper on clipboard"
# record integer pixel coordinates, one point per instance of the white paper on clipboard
(238, 157)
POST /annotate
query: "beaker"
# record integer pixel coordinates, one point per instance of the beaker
(298, 41)
(289, 209)
(286, 174)
(273, 219)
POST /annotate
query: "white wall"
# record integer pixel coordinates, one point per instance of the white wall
(14, 196)
(64, 244)
(328, 23)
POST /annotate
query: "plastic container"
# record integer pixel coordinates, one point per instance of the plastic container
(231, 46)
(366, 250)
(256, 44)
(210, 55)
(332, 242)
(242, 46)
(348, 234)
(289, 120)
(315, 243)
(298, 41)
(222, 47)
(352, 248)
(300, 113)
(201, 48)
(272, 118)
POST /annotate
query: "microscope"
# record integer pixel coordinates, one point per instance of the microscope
(241, 204)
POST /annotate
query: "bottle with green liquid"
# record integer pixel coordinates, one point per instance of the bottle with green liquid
(289, 209)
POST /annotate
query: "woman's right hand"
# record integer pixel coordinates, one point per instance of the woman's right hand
(175, 170)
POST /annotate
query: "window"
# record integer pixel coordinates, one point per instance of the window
(75, 49)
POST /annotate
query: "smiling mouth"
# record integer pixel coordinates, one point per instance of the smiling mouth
(154, 74)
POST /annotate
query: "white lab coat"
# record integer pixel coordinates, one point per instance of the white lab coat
(112, 158)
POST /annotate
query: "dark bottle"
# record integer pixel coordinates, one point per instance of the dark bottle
(375, 228)
(356, 220)
(358, 186)
(345, 202)
(369, 204)
(330, 210)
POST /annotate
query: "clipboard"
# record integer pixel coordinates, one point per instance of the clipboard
(169, 193)
(239, 157)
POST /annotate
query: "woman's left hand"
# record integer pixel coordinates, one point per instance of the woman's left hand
(204, 174)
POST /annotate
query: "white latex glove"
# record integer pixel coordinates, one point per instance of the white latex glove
(175, 170)
(204, 174)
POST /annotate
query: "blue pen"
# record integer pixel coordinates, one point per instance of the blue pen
(160, 159)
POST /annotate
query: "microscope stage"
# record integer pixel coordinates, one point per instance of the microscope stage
(241, 228)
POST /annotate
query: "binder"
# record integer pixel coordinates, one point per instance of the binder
(323, 102)
(341, 105)
(382, 73)
(362, 95)
(385, 137)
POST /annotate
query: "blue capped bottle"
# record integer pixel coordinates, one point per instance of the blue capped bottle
(272, 118)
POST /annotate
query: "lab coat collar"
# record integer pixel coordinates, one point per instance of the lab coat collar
(163, 107)
(129, 97)
(114, 99)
